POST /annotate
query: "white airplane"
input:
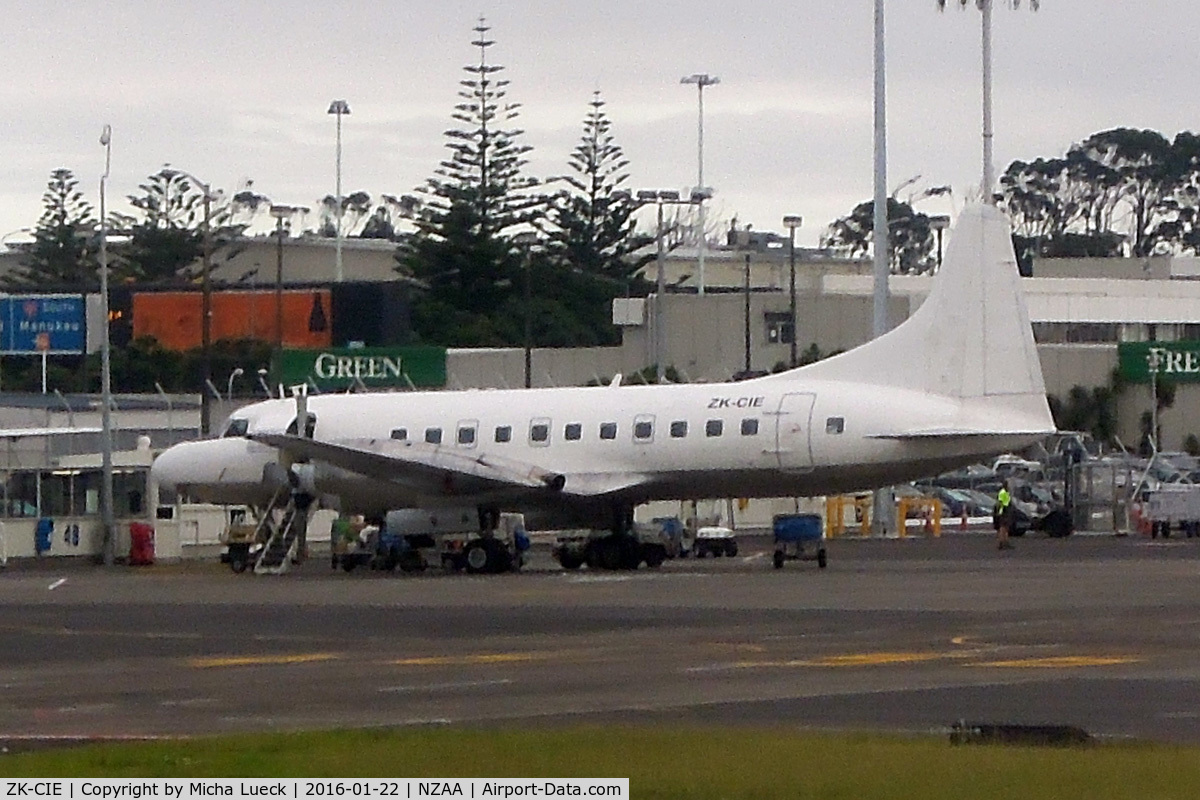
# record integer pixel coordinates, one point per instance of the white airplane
(958, 381)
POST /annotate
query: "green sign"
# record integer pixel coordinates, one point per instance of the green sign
(376, 367)
(1174, 362)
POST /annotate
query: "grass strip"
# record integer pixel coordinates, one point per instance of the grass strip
(661, 762)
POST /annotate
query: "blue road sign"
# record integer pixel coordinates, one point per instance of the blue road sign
(49, 323)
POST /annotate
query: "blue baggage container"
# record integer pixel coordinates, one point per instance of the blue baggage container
(799, 537)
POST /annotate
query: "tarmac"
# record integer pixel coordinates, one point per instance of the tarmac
(913, 635)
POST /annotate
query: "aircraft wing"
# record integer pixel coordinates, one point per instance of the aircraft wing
(436, 469)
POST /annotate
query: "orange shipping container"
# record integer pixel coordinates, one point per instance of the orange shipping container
(173, 318)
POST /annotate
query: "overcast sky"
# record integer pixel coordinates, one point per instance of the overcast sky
(236, 91)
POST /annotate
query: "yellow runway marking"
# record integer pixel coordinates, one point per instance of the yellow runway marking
(851, 660)
(1059, 662)
(477, 658)
(248, 661)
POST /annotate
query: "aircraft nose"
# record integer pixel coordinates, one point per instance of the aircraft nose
(170, 469)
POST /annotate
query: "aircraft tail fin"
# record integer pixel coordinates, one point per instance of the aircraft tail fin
(971, 338)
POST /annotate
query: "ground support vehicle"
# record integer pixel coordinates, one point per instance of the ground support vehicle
(798, 537)
(715, 540)
(1173, 504)
(498, 548)
(242, 545)
(647, 543)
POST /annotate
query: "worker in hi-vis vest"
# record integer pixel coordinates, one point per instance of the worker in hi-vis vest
(1003, 517)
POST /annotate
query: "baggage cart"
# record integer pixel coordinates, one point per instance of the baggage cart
(799, 537)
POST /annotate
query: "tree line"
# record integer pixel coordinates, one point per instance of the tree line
(489, 245)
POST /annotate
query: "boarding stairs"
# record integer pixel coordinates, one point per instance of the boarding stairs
(281, 526)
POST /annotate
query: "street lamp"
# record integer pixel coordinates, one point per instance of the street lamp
(791, 222)
(108, 546)
(662, 197)
(229, 386)
(525, 241)
(701, 80)
(280, 213)
(262, 381)
(939, 223)
(338, 108)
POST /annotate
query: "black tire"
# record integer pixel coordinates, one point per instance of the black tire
(476, 556)
(608, 553)
(570, 560)
(499, 559)
(411, 561)
(821, 560)
(731, 549)
(348, 564)
(654, 555)
(238, 561)
(778, 559)
(700, 552)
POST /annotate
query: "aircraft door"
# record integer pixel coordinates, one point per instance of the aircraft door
(793, 428)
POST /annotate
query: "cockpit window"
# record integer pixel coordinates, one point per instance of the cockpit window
(237, 427)
(310, 426)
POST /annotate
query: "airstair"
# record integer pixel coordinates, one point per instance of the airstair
(281, 528)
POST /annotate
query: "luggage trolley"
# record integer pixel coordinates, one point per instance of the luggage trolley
(799, 537)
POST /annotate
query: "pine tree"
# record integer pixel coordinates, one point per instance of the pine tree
(63, 254)
(474, 203)
(593, 223)
(168, 237)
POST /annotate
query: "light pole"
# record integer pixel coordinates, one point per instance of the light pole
(747, 293)
(108, 543)
(791, 222)
(985, 7)
(701, 80)
(525, 241)
(280, 213)
(662, 197)
(262, 381)
(229, 386)
(1153, 362)
(338, 108)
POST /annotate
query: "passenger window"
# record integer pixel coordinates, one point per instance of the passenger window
(433, 435)
(400, 433)
(539, 432)
(679, 429)
(466, 435)
(504, 434)
(573, 432)
(643, 429)
(750, 426)
(835, 425)
(608, 430)
(714, 427)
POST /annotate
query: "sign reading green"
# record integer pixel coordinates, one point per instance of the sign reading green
(1174, 362)
(375, 367)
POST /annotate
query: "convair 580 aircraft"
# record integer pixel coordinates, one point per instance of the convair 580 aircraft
(957, 381)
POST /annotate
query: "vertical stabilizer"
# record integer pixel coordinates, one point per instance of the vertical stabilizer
(971, 337)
